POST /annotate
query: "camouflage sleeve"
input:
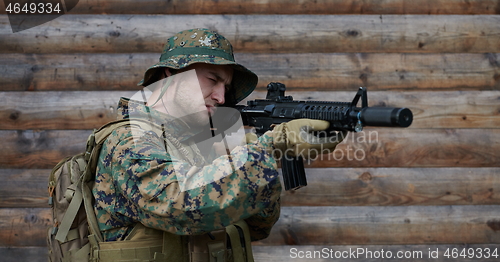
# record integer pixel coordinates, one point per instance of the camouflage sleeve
(243, 186)
(260, 224)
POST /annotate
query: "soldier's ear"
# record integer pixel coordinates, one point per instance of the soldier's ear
(167, 72)
(170, 72)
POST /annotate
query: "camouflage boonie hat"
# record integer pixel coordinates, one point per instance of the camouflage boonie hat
(203, 46)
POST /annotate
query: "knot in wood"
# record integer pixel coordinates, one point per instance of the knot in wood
(496, 77)
(14, 115)
(366, 177)
(494, 224)
(352, 33)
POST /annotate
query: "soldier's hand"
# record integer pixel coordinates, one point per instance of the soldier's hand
(296, 138)
(250, 138)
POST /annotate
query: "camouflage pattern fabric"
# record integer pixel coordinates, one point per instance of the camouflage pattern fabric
(136, 182)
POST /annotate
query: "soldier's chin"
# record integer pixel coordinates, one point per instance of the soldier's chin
(199, 119)
(211, 110)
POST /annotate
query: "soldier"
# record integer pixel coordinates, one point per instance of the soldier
(157, 196)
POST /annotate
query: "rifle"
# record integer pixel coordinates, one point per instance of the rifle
(277, 108)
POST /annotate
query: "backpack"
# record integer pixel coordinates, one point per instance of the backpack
(71, 199)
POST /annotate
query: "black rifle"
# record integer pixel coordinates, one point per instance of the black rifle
(343, 116)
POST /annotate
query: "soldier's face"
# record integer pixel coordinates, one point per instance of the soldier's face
(214, 81)
(197, 92)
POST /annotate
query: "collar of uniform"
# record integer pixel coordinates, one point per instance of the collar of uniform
(176, 127)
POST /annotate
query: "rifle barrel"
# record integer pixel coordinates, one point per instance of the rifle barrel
(386, 116)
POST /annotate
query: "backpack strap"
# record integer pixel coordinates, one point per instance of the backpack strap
(71, 211)
(239, 236)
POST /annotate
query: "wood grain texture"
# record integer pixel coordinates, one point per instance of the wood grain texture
(38, 72)
(322, 226)
(23, 227)
(41, 148)
(396, 186)
(311, 71)
(262, 34)
(24, 188)
(415, 148)
(27, 188)
(285, 7)
(16, 254)
(382, 147)
(59, 109)
(88, 110)
(385, 225)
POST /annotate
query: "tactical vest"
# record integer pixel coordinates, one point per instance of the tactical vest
(147, 244)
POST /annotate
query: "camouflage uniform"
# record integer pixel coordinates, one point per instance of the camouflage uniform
(136, 178)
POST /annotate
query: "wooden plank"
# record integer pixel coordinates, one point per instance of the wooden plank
(59, 110)
(88, 110)
(381, 147)
(24, 226)
(263, 33)
(24, 188)
(15, 254)
(326, 187)
(389, 147)
(327, 72)
(311, 71)
(396, 186)
(285, 7)
(308, 253)
(385, 225)
(32, 72)
(41, 148)
(323, 226)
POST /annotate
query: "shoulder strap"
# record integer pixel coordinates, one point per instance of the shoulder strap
(71, 211)
(239, 236)
(94, 143)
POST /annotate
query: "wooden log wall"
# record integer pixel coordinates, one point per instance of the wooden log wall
(434, 185)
